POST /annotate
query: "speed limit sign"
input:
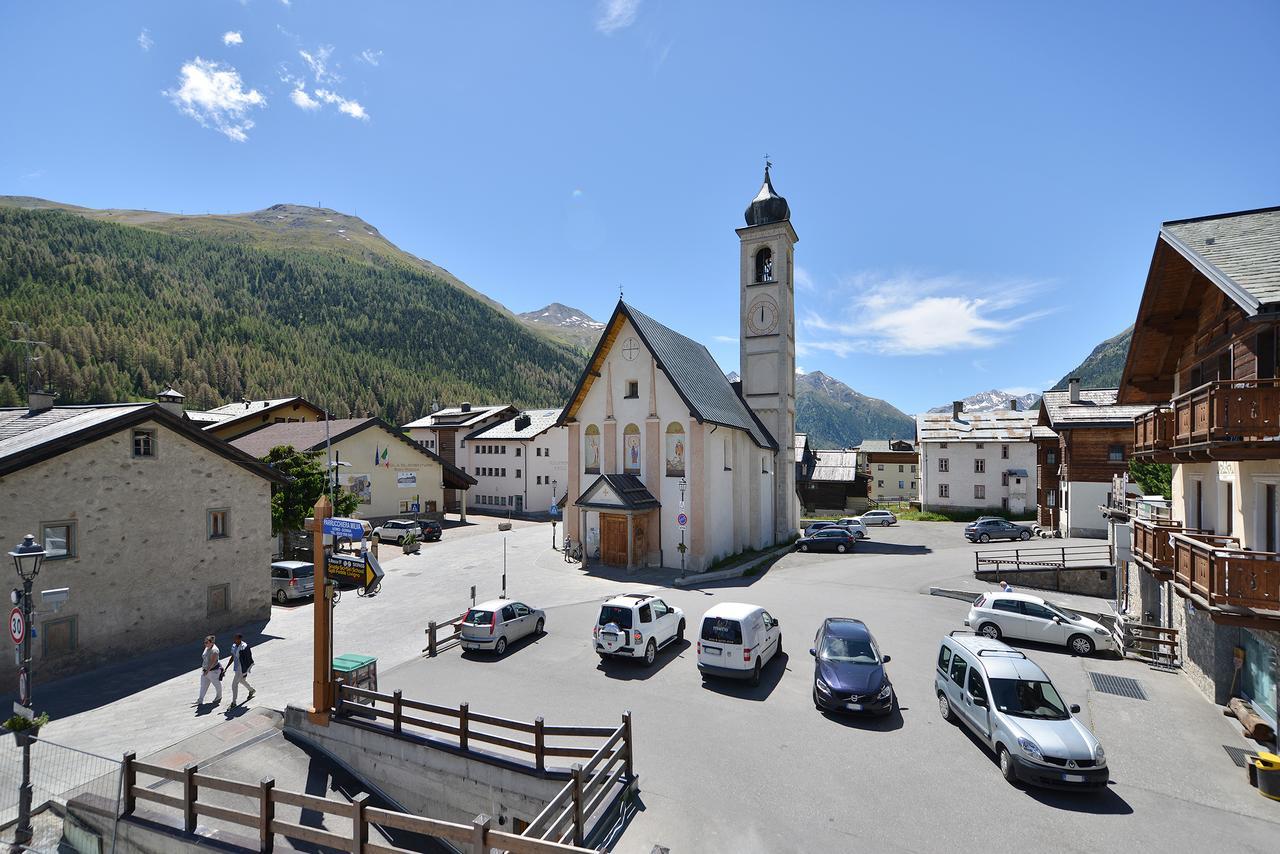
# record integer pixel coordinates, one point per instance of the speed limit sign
(17, 625)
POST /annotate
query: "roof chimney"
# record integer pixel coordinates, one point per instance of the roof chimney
(38, 400)
(1013, 404)
(957, 406)
(171, 400)
(1073, 386)
(466, 406)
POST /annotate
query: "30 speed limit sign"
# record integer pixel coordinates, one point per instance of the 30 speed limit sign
(17, 625)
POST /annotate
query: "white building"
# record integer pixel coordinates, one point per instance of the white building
(442, 433)
(520, 464)
(977, 461)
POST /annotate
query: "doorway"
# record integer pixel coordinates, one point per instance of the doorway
(613, 539)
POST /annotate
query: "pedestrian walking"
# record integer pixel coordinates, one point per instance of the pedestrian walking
(210, 671)
(241, 664)
(1006, 587)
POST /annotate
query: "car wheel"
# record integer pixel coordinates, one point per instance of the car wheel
(944, 709)
(1080, 645)
(989, 630)
(537, 629)
(500, 647)
(680, 632)
(650, 653)
(1025, 535)
(755, 674)
(984, 538)
(804, 547)
(842, 548)
(281, 598)
(1007, 769)
(862, 535)
(778, 651)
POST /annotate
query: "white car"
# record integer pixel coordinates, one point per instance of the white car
(395, 530)
(494, 624)
(637, 625)
(854, 526)
(1023, 617)
(736, 641)
(878, 517)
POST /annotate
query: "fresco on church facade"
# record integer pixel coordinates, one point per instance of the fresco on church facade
(592, 450)
(675, 450)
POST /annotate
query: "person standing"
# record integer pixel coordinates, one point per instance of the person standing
(210, 671)
(241, 664)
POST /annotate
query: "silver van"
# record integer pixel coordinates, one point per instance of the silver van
(292, 579)
(1012, 706)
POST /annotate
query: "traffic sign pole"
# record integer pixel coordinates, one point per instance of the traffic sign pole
(322, 659)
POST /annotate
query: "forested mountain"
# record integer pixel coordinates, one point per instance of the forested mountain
(835, 416)
(1102, 367)
(127, 311)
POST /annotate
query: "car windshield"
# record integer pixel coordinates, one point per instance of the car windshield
(475, 615)
(1024, 698)
(615, 614)
(721, 630)
(849, 649)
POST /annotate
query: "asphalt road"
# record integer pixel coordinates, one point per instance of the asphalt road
(724, 767)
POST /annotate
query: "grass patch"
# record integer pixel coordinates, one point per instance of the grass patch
(922, 516)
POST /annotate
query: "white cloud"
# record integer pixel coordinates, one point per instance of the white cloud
(912, 315)
(300, 98)
(371, 56)
(800, 371)
(232, 37)
(616, 15)
(803, 280)
(725, 339)
(318, 62)
(351, 108)
(213, 95)
(144, 40)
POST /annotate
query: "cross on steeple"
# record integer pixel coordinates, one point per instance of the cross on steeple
(767, 162)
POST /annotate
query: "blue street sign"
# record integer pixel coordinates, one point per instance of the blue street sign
(349, 528)
(682, 520)
(555, 511)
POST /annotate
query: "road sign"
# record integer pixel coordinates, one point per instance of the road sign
(682, 520)
(349, 528)
(24, 686)
(361, 570)
(555, 510)
(17, 625)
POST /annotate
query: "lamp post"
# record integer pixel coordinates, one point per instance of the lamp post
(684, 484)
(554, 483)
(27, 558)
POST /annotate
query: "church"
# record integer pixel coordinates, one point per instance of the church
(670, 463)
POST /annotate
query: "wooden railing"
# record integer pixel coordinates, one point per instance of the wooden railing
(1216, 412)
(437, 644)
(1151, 543)
(1217, 569)
(1153, 431)
(260, 801)
(564, 818)
(1156, 645)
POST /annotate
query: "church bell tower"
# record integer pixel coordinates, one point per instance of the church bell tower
(767, 337)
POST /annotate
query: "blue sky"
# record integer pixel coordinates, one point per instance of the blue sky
(977, 187)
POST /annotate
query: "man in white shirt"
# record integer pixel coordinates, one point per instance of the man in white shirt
(210, 671)
(241, 663)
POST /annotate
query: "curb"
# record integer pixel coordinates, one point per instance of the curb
(963, 595)
(731, 572)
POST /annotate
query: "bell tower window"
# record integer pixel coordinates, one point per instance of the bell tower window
(764, 265)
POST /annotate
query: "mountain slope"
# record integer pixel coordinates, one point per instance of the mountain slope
(1102, 367)
(835, 416)
(222, 311)
(570, 325)
(989, 401)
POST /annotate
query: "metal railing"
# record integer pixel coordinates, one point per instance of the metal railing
(1218, 570)
(1040, 559)
(58, 774)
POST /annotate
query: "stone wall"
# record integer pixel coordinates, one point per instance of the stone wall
(1084, 582)
(143, 565)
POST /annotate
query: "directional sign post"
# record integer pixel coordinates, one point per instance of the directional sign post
(17, 625)
(351, 529)
(362, 571)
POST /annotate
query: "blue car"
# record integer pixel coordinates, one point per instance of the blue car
(848, 673)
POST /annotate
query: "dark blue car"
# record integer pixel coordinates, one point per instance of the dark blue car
(848, 673)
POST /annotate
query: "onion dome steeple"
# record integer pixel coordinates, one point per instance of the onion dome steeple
(767, 206)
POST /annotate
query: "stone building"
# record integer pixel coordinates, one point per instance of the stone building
(161, 531)
(977, 461)
(893, 467)
(520, 465)
(443, 431)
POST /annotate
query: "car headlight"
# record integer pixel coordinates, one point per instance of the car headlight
(1030, 748)
(885, 692)
(1101, 631)
(823, 688)
(1100, 755)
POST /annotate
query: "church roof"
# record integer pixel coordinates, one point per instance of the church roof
(690, 368)
(767, 206)
(618, 491)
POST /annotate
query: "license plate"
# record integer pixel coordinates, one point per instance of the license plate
(853, 707)
(1073, 778)
(711, 650)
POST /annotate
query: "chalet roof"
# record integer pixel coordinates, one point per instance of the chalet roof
(309, 437)
(456, 416)
(515, 429)
(835, 466)
(885, 446)
(27, 438)
(1239, 252)
(801, 443)
(1097, 408)
(628, 490)
(1041, 432)
(224, 415)
(1000, 425)
(688, 365)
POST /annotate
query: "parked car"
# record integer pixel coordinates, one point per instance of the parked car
(878, 517)
(736, 641)
(431, 530)
(833, 539)
(817, 526)
(494, 624)
(1015, 710)
(1019, 615)
(848, 671)
(854, 526)
(292, 579)
(395, 530)
(986, 530)
(637, 625)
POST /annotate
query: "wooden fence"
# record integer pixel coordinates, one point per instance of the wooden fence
(437, 644)
(261, 799)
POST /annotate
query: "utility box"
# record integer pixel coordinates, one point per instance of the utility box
(358, 671)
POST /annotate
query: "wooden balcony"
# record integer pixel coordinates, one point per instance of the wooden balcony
(1221, 420)
(1238, 586)
(1151, 546)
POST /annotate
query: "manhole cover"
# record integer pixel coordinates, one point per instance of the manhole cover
(1121, 686)
(1238, 754)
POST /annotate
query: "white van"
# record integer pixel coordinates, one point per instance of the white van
(735, 641)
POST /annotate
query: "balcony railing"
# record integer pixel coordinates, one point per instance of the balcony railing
(1223, 412)
(1153, 431)
(1151, 543)
(1218, 570)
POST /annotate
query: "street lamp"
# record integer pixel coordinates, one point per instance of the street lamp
(554, 484)
(27, 558)
(684, 484)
